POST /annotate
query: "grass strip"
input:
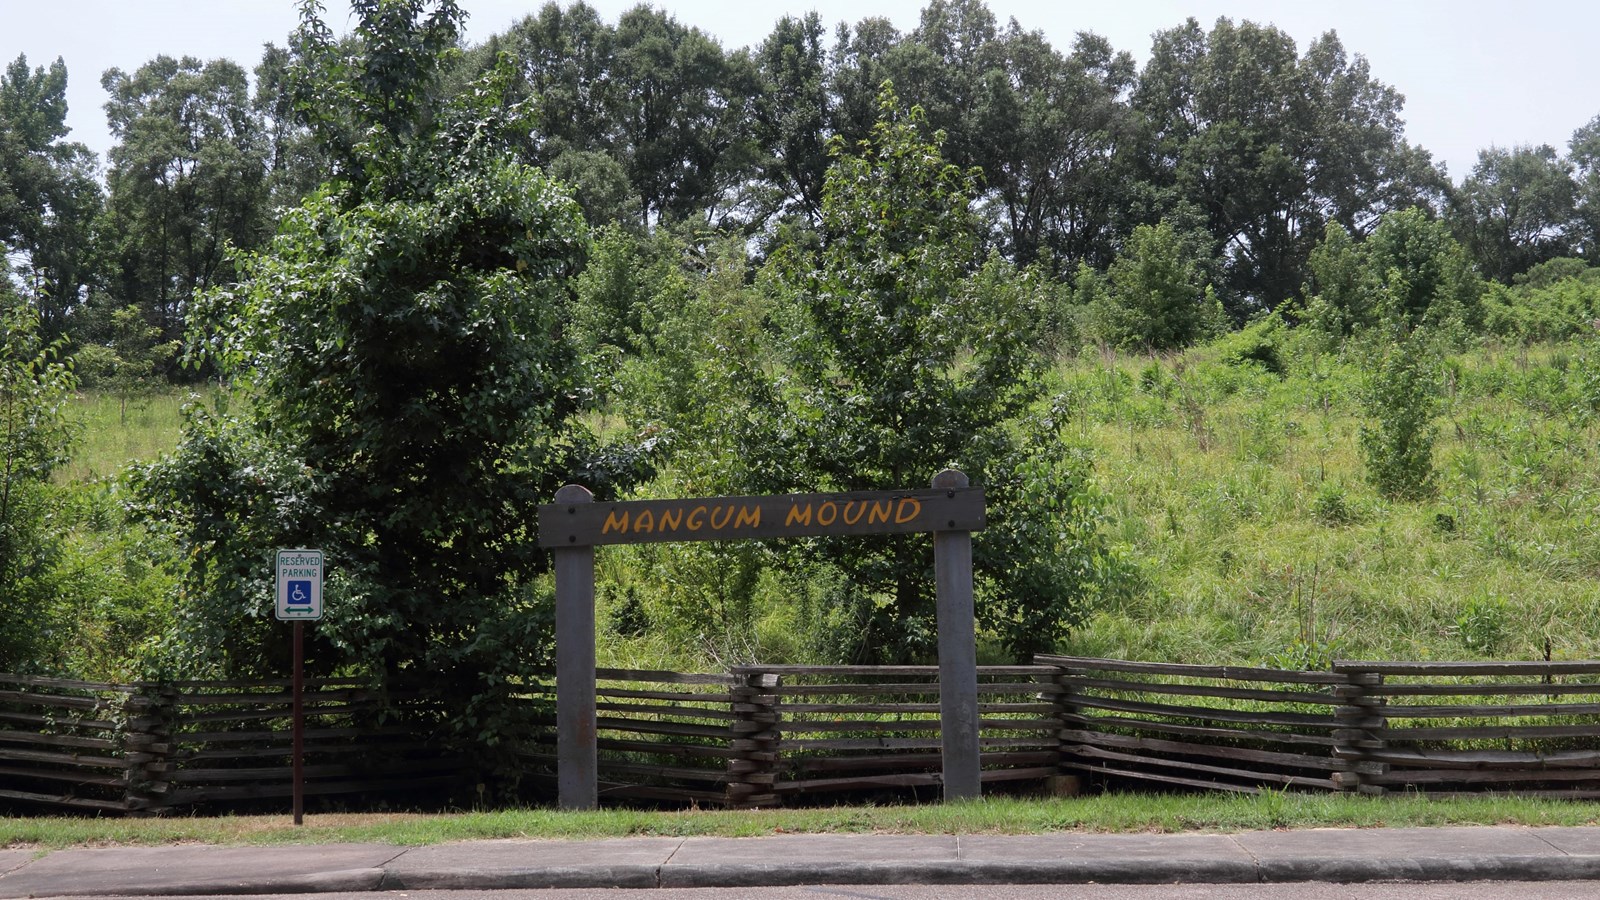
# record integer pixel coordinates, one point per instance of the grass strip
(1122, 813)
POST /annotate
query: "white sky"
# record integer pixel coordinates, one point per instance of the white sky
(1474, 73)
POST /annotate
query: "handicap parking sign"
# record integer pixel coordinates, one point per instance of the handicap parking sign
(299, 577)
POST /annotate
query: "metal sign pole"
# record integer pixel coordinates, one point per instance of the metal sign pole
(299, 723)
(299, 579)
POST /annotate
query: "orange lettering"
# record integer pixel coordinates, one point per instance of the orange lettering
(901, 516)
(615, 522)
(646, 523)
(879, 512)
(862, 512)
(801, 514)
(727, 514)
(697, 518)
(671, 519)
(827, 513)
(750, 515)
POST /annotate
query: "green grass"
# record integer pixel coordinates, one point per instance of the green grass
(110, 438)
(1126, 813)
(1242, 497)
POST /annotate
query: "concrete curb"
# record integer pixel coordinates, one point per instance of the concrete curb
(1066, 871)
(351, 881)
(1442, 869)
(443, 879)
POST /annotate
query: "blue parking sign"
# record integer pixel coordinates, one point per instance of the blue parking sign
(299, 576)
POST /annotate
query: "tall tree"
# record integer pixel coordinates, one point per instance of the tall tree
(680, 104)
(187, 179)
(1516, 210)
(409, 390)
(900, 363)
(296, 162)
(1060, 130)
(1584, 154)
(1268, 146)
(793, 116)
(49, 196)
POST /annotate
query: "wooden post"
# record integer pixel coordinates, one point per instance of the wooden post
(577, 760)
(958, 654)
(1064, 783)
(753, 740)
(1361, 715)
(147, 747)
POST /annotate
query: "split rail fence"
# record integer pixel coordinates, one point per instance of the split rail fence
(769, 735)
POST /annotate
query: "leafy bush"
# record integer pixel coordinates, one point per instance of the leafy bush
(898, 363)
(1154, 297)
(1260, 343)
(34, 437)
(1331, 506)
(407, 392)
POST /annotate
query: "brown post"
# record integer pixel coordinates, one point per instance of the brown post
(147, 747)
(577, 758)
(1064, 783)
(1361, 732)
(753, 739)
(958, 653)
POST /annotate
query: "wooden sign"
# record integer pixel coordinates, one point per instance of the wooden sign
(780, 516)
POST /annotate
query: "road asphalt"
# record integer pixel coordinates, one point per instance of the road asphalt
(1332, 855)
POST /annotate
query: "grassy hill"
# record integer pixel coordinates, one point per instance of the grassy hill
(1238, 495)
(1241, 495)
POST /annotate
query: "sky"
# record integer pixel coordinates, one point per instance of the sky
(1474, 73)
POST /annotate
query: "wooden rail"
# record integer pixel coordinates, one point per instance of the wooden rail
(1372, 727)
(146, 748)
(854, 728)
(767, 735)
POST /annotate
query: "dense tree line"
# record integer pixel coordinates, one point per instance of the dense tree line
(831, 261)
(1247, 146)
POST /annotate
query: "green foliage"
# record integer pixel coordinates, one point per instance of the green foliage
(1516, 209)
(1339, 298)
(187, 179)
(1421, 275)
(1154, 298)
(407, 395)
(1044, 549)
(899, 365)
(130, 365)
(1262, 343)
(34, 437)
(1401, 397)
(49, 192)
(1481, 625)
(1553, 301)
(1266, 145)
(1331, 505)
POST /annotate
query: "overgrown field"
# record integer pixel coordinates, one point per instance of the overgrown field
(1235, 492)
(1241, 495)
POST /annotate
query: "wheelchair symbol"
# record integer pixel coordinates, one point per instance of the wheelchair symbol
(299, 593)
